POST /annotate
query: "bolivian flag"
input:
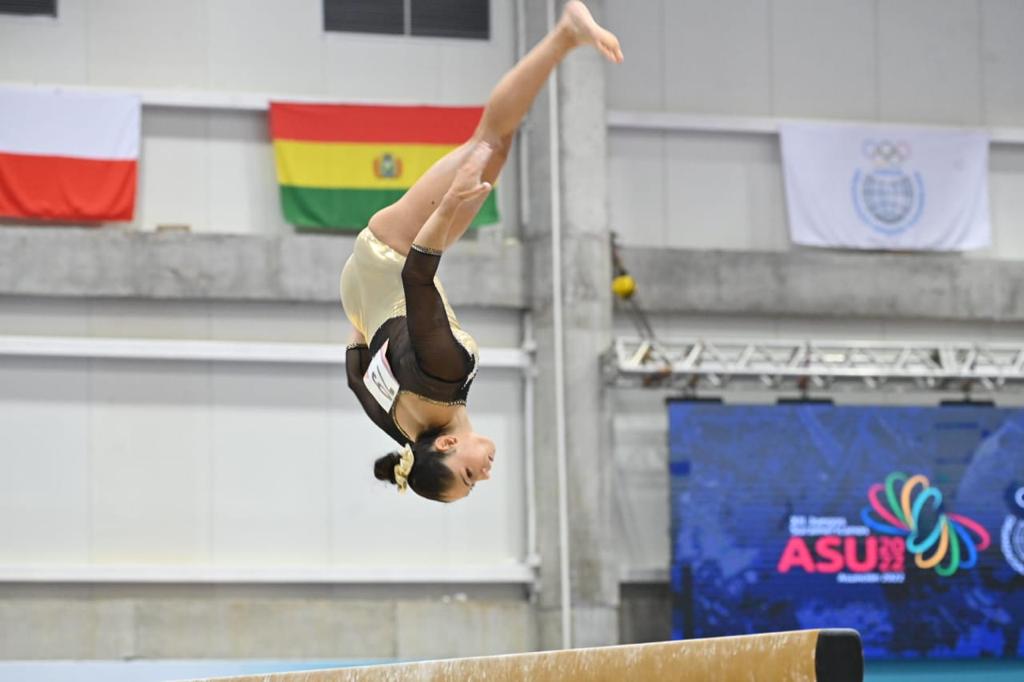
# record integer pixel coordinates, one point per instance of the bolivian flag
(338, 164)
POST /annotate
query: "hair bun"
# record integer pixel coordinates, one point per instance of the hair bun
(384, 467)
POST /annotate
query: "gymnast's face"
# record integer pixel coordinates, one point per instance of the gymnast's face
(470, 457)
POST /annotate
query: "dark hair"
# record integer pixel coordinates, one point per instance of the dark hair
(430, 477)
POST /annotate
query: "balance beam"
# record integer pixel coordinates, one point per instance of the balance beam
(799, 656)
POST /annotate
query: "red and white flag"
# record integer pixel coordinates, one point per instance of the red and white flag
(68, 156)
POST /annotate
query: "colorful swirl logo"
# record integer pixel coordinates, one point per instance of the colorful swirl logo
(951, 537)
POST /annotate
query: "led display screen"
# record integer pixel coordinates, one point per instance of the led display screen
(906, 523)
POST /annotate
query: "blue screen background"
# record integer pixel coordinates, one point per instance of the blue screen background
(740, 472)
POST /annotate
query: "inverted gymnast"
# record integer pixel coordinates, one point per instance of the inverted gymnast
(413, 377)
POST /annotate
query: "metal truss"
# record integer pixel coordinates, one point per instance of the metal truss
(815, 365)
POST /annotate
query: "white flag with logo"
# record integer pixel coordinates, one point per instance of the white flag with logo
(873, 187)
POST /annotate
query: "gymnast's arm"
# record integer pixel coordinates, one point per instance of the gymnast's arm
(437, 351)
(357, 359)
(463, 200)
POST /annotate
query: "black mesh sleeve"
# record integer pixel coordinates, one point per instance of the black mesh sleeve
(437, 351)
(357, 359)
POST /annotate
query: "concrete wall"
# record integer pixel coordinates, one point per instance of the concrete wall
(911, 61)
(302, 622)
(304, 268)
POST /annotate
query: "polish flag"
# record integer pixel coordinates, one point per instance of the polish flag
(68, 156)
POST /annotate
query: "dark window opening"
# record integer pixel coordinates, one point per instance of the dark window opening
(451, 18)
(435, 18)
(365, 16)
(29, 7)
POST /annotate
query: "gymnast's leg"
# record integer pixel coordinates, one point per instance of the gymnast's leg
(398, 224)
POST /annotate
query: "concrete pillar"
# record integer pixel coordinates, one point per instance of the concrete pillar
(586, 299)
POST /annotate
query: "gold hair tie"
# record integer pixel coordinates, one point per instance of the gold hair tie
(403, 468)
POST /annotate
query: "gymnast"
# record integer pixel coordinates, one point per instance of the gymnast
(413, 377)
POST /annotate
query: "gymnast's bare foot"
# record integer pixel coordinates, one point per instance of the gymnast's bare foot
(585, 31)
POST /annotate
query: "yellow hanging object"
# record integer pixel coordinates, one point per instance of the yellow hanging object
(623, 286)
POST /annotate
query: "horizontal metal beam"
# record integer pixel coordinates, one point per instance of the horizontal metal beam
(228, 100)
(668, 121)
(212, 351)
(502, 573)
(144, 573)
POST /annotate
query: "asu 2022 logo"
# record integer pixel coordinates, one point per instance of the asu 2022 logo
(904, 515)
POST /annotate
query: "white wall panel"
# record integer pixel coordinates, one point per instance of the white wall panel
(45, 49)
(768, 222)
(142, 319)
(707, 203)
(824, 58)
(43, 317)
(1006, 190)
(266, 46)
(259, 321)
(147, 43)
(1002, 57)
(639, 83)
(243, 191)
(270, 488)
(211, 170)
(717, 56)
(712, 201)
(353, 445)
(149, 481)
(44, 460)
(384, 68)
(471, 68)
(929, 67)
(489, 524)
(638, 200)
(174, 174)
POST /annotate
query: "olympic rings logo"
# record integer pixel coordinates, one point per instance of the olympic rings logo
(886, 152)
(949, 540)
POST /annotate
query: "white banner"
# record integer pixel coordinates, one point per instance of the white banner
(874, 187)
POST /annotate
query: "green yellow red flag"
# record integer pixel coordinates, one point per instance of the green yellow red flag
(338, 164)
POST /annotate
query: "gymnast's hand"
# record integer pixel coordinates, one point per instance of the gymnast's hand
(467, 186)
